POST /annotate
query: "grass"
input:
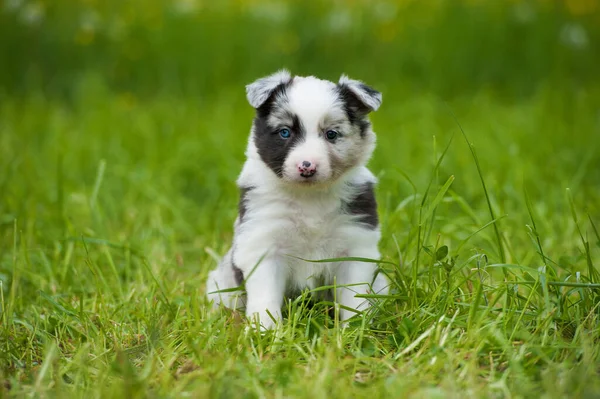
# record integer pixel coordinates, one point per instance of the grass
(113, 212)
(118, 158)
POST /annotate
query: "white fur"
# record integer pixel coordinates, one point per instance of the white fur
(258, 92)
(286, 219)
(372, 101)
(314, 111)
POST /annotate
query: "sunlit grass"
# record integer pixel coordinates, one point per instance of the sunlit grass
(113, 211)
(197, 47)
(122, 130)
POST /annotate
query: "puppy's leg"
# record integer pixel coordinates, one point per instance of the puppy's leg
(265, 287)
(381, 284)
(357, 276)
(225, 277)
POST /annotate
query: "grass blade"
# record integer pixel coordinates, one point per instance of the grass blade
(438, 198)
(415, 269)
(592, 272)
(97, 184)
(485, 191)
(344, 259)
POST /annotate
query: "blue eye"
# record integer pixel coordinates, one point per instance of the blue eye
(285, 133)
(331, 134)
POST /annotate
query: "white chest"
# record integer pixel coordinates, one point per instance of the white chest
(287, 225)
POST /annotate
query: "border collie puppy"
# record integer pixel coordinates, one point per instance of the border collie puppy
(305, 192)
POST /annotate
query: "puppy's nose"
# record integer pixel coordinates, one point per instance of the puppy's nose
(307, 168)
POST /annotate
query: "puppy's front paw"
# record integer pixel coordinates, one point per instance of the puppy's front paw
(267, 318)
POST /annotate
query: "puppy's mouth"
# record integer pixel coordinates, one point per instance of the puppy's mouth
(304, 179)
(308, 174)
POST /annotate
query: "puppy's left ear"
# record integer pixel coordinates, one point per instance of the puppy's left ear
(258, 92)
(361, 97)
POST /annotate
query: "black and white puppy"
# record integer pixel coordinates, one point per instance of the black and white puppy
(305, 193)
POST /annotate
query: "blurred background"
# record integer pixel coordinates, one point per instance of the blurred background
(199, 48)
(123, 126)
(119, 119)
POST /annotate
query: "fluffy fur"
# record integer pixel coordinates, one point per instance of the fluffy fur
(305, 192)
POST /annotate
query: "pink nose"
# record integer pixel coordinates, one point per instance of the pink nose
(307, 169)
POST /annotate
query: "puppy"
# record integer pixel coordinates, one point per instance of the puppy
(305, 192)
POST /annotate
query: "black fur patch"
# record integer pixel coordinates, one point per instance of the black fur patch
(242, 202)
(364, 205)
(355, 109)
(238, 275)
(364, 126)
(371, 91)
(273, 149)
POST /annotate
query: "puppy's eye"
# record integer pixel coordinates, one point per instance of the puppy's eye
(285, 133)
(331, 135)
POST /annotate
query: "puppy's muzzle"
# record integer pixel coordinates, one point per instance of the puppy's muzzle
(307, 169)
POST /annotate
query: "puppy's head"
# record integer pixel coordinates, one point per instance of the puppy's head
(312, 131)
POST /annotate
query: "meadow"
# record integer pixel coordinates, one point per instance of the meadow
(122, 130)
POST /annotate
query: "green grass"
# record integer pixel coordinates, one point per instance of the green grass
(119, 153)
(113, 212)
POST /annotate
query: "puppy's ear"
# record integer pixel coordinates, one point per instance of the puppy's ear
(258, 92)
(361, 99)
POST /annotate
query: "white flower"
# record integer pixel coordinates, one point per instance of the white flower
(32, 13)
(273, 12)
(340, 20)
(185, 6)
(12, 5)
(385, 11)
(574, 35)
(524, 12)
(89, 20)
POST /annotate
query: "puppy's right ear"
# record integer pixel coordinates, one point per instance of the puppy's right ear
(258, 92)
